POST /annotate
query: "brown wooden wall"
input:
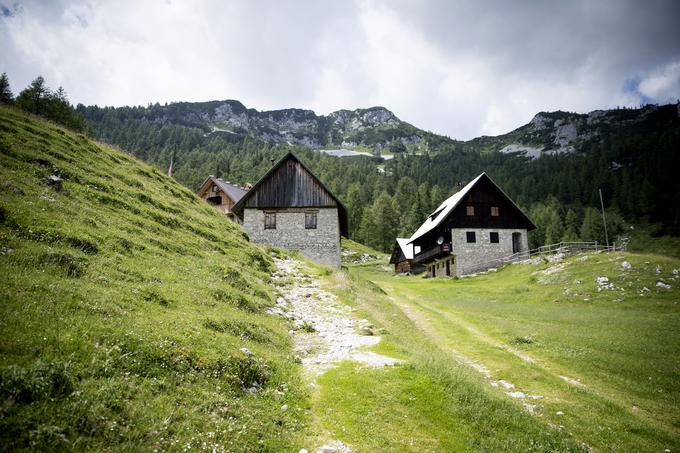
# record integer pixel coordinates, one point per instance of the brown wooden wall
(226, 204)
(402, 267)
(483, 196)
(290, 186)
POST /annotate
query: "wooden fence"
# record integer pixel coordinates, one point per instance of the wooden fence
(565, 248)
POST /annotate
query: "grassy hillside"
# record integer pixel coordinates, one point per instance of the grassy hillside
(126, 303)
(604, 362)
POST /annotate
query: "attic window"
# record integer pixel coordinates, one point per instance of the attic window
(494, 211)
(470, 210)
(215, 189)
(310, 220)
(215, 201)
(269, 220)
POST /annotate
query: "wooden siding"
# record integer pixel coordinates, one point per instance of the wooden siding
(226, 203)
(290, 185)
(397, 255)
(402, 267)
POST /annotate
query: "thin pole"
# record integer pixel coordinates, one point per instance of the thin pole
(604, 221)
(172, 158)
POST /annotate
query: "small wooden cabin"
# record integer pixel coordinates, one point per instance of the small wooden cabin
(402, 258)
(221, 194)
(291, 208)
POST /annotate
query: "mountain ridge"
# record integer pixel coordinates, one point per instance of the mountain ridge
(378, 129)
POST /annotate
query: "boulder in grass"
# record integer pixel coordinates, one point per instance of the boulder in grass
(54, 181)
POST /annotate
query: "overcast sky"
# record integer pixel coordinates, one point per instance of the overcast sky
(461, 69)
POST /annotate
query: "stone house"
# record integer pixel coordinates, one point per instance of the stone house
(476, 225)
(291, 208)
(221, 194)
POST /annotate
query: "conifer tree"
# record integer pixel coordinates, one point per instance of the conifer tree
(354, 209)
(571, 227)
(32, 99)
(6, 96)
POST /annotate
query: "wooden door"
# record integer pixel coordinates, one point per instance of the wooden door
(516, 242)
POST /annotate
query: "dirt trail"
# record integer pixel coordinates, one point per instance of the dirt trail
(325, 332)
(508, 388)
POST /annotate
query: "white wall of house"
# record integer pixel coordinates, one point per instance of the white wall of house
(321, 244)
(483, 250)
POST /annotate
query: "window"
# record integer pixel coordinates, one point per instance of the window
(269, 220)
(310, 220)
(494, 211)
(215, 201)
(471, 236)
(493, 237)
(470, 210)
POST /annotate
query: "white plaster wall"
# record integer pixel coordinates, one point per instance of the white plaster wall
(321, 244)
(483, 250)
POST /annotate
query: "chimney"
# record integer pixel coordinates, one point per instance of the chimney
(272, 161)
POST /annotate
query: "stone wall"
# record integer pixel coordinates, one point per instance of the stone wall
(468, 254)
(321, 244)
(437, 268)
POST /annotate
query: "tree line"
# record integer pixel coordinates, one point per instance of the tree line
(635, 168)
(386, 199)
(39, 99)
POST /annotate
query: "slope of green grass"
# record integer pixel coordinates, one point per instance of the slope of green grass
(605, 362)
(645, 239)
(126, 303)
(356, 253)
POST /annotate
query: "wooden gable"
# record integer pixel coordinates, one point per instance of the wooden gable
(397, 254)
(481, 194)
(290, 184)
(481, 198)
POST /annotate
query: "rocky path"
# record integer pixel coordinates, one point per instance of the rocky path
(325, 332)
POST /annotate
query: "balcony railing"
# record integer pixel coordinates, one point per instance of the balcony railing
(432, 253)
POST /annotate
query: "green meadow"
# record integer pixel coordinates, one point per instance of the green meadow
(532, 357)
(133, 317)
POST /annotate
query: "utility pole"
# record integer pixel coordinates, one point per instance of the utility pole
(604, 220)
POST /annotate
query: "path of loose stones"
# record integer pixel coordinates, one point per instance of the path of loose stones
(335, 335)
(324, 331)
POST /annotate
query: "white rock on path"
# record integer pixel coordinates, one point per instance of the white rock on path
(335, 338)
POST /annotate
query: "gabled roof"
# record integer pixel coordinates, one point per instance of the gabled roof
(442, 212)
(402, 251)
(406, 248)
(342, 210)
(232, 191)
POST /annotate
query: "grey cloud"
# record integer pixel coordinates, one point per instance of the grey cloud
(458, 68)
